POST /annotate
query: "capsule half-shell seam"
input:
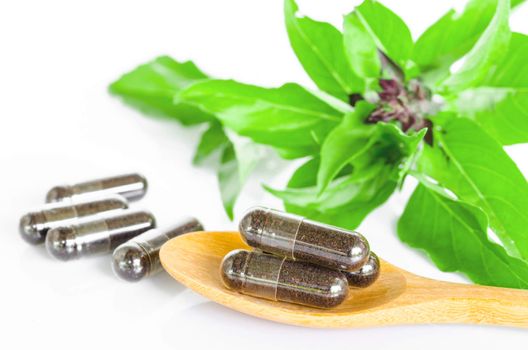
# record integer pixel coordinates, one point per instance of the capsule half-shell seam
(278, 278)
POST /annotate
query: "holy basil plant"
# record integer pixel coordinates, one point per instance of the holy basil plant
(386, 107)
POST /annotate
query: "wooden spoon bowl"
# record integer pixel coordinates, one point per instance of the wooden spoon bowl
(397, 297)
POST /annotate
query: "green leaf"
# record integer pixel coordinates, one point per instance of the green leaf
(238, 159)
(512, 70)
(247, 153)
(361, 51)
(212, 140)
(286, 117)
(488, 50)
(356, 191)
(474, 166)
(452, 36)
(340, 192)
(398, 148)
(454, 235)
(287, 107)
(502, 112)
(348, 199)
(319, 48)
(500, 106)
(306, 174)
(151, 88)
(353, 139)
(372, 27)
(393, 144)
(229, 179)
(346, 142)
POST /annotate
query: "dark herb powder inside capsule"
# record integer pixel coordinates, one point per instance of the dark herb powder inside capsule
(300, 282)
(90, 208)
(236, 263)
(135, 222)
(295, 237)
(277, 278)
(334, 248)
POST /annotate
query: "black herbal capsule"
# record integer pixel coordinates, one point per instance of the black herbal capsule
(98, 236)
(366, 275)
(277, 278)
(139, 257)
(302, 239)
(35, 225)
(130, 186)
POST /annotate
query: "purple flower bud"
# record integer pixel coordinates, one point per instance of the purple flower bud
(390, 87)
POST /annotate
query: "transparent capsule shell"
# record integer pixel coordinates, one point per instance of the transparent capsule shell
(298, 238)
(366, 275)
(281, 279)
(130, 186)
(139, 257)
(97, 236)
(34, 225)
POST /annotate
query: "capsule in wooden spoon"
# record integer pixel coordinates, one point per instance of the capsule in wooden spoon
(397, 298)
(298, 238)
(281, 279)
(366, 275)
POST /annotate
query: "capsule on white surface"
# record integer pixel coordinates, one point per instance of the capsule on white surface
(98, 236)
(139, 257)
(130, 186)
(35, 225)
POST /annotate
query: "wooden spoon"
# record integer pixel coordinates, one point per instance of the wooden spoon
(397, 297)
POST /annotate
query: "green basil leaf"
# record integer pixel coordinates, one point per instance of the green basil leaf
(212, 140)
(348, 199)
(488, 50)
(393, 144)
(247, 153)
(361, 51)
(238, 159)
(229, 179)
(452, 36)
(512, 70)
(372, 27)
(500, 105)
(353, 139)
(319, 48)
(151, 88)
(501, 111)
(294, 153)
(306, 174)
(388, 30)
(469, 162)
(340, 192)
(335, 103)
(397, 148)
(346, 142)
(454, 235)
(286, 117)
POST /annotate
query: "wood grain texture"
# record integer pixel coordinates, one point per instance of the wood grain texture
(397, 297)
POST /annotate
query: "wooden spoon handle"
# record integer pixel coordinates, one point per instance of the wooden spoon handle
(483, 305)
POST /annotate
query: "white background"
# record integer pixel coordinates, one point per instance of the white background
(59, 125)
